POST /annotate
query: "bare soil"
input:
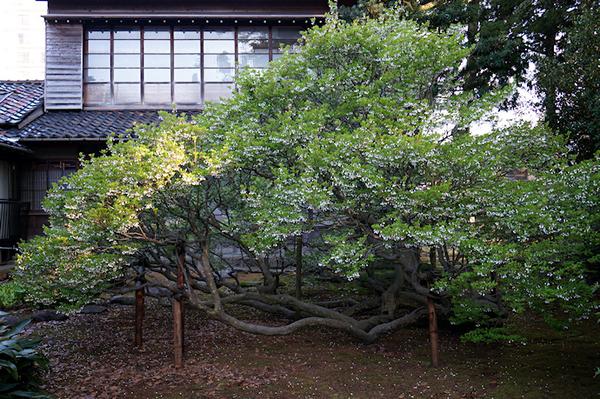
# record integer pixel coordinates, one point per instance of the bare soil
(92, 356)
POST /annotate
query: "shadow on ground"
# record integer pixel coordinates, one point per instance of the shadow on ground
(92, 357)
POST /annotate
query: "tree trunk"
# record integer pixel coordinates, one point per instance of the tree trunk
(550, 89)
(433, 258)
(550, 99)
(299, 244)
(433, 333)
(473, 27)
(473, 24)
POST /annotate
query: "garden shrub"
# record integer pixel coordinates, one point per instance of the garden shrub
(12, 294)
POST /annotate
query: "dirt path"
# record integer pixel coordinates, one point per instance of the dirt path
(92, 357)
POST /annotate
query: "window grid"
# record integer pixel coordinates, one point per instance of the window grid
(126, 80)
(202, 63)
(142, 65)
(187, 78)
(112, 65)
(172, 50)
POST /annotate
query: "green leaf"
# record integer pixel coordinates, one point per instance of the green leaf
(10, 367)
(18, 328)
(7, 387)
(30, 394)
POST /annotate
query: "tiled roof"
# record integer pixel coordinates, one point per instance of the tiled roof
(11, 144)
(18, 99)
(82, 125)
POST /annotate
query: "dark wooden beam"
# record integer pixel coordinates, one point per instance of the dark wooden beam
(188, 7)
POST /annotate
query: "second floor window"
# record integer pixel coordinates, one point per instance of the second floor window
(154, 67)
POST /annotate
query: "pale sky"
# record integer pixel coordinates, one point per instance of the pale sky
(22, 43)
(526, 109)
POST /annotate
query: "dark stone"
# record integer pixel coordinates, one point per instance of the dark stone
(10, 320)
(159, 292)
(48, 315)
(93, 309)
(122, 300)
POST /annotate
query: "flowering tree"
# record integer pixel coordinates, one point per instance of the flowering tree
(356, 148)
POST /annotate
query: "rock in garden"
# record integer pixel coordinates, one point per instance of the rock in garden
(122, 300)
(93, 309)
(159, 292)
(9, 320)
(48, 315)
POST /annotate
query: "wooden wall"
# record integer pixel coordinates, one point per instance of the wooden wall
(64, 62)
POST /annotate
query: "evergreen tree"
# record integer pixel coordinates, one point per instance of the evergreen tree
(575, 75)
(558, 38)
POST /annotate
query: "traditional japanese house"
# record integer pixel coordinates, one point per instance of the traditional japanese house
(20, 103)
(111, 64)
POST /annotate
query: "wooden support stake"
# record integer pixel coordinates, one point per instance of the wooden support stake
(139, 317)
(433, 333)
(181, 287)
(178, 312)
(139, 305)
(178, 333)
(299, 245)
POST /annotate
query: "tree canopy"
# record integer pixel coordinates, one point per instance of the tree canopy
(357, 143)
(547, 46)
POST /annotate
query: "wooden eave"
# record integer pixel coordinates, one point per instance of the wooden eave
(211, 18)
(62, 139)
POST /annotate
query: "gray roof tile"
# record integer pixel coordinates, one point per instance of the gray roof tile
(18, 99)
(11, 144)
(82, 125)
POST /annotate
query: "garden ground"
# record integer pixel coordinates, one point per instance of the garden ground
(92, 356)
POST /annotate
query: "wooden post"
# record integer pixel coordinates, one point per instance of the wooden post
(139, 306)
(178, 312)
(139, 316)
(181, 287)
(299, 245)
(433, 333)
(177, 333)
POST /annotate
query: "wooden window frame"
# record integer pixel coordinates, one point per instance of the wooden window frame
(142, 105)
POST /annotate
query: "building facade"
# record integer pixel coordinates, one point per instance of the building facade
(111, 64)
